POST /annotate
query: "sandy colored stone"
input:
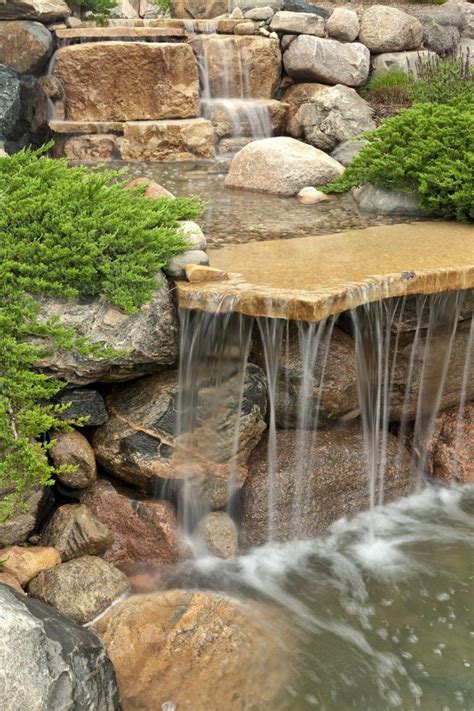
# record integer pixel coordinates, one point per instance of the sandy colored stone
(281, 166)
(12, 582)
(388, 29)
(145, 531)
(74, 531)
(87, 149)
(247, 27)
(196, 273)
(72, 448)
(219, 534)
(261, 58)
(451, 446)
(295, 96)
(42, 10)
(343, 25)
(167, 140)
(53, 89)
(315, 482)
(109, 32)
(381, 262)
(298, 22)
(225, 116)
(198, 650)
(327, 61)
(25, 46)
(205, 9)
(153, 190)
(177, 265)
(80, 589)
(24, 563)
(128, 81)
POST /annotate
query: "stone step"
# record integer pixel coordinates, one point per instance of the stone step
(90, 34)
(82, 127)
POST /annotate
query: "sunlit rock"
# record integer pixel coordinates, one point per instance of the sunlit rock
(343, 25)
(327, 61)
(388, 29)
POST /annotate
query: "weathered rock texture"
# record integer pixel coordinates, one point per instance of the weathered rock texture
(144, 530)
(348, 150)
(386, 202)
(10, 101)
(128, 81)
(87, 148)
(281, 166)
(83, 404)
(387, 29)
(73, 449)
(224, 118)
(22, 524)
(294, 97)
(74, 531)
(451, 446)
(315, 485)
(49, 662)
(406, 62)
(42, 10)
(197, 650)
(343, 25)
(198, 9)
(148, 337)
(219, 534)
(25, 563)
(259, 56)
(81, 588)
(139, 445)
(327, 61)
(334, 116)
(298, 22)
(168, 140)
(25, 46)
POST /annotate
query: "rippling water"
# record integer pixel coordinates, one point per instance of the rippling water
(380, 625)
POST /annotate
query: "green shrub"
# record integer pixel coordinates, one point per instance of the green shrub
(427, 150)
(389, 87)
(443, 81)
(65, 232)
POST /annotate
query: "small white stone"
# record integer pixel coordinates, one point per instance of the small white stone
(273, 35)
(264, 32)
(237, 14)
(194, 235)
(177, 264)
(310, 195)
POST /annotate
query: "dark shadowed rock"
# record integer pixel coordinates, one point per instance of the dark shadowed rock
(314, 483)
(182, 645)
(9, 101)
(22, 524)
(148, 337)
(83, 403)
(49, 662)
(144, 531)
(138, 444)
(73, 449)
(81, 588)
(74, 531)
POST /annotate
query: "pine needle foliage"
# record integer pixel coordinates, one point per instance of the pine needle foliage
(65, 232)
(428, 151)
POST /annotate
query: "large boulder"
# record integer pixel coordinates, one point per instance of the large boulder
(328, 392)
(74, 531)
(406, 62)
(145, 531)
(318, 478)
(281, 166)
(294, 97)
(25, 46)
(81, 588)
(451, 446)
(348, 150)
(148, 340)
(442, 39)
(327, 61)
(343, 25)
(225, 56)
(50, 662)
(182, 139)
(10, 101)
(42, 10)
(137, 81)
(388, 29)
(139, 443)
(334, 116)
(72, 449)
(198, 650)
(246, 117)
(304, 23)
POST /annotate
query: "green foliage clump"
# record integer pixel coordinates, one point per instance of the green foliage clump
(428, 151)
(389, 87)
(65, 232)
(443, 81)
(98, 7)
(164, 5)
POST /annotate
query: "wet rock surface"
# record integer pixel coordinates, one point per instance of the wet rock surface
(181, 645)
(74, 532)
(10, 101)
(219, 534)
(451, 446)
(80, 589)
(316, 481)
(38, 647)
(386, 202)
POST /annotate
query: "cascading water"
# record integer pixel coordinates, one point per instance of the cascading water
(377, 604)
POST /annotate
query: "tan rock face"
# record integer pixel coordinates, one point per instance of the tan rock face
(198, 650)
(25, 46)
(168, 140)
(295, 96)
(225, 57)
(244, 117)
(74, 531)
(12, 582)
(219, 534)
(81, 588)
(87, 149)
(73, 449)
(205, 9)
(451, 449)
(25, 563)
(144, 531)
(387, 29)
(315, 485)
(42, 10)
(128, 81)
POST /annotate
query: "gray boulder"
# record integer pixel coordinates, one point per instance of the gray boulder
(334, 116)
(328, 61)
(406, 62)
(149, 338)
(388, 29)
(386, 202)
(343, 25)
(441, 39)
(10, 101)
(50, 662)
(348, 150)
(176, 267)
(305, 23)
(246, 5)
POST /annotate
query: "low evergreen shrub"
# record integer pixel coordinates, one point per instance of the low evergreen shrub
(65, 232)
(427, 150)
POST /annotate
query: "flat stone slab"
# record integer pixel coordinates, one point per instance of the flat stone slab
(311, 278)
(87, 126)
(83, 34)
